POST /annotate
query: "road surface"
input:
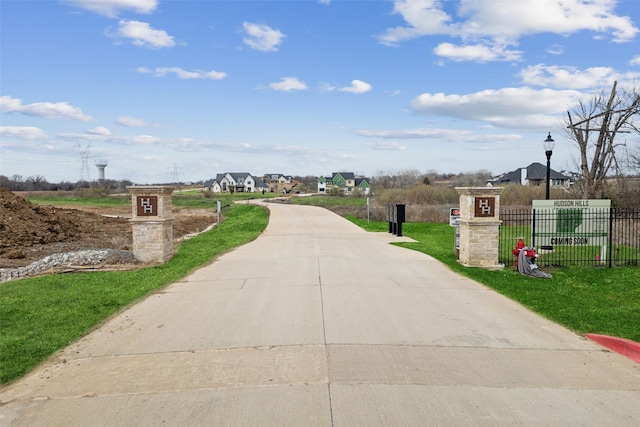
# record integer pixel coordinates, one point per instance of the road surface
(319, 323)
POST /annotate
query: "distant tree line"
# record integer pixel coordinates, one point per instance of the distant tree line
(40, 183)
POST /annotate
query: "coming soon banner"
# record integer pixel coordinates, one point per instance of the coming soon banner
(570, 222)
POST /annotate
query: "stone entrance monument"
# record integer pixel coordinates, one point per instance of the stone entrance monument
(152, 223)
(479, 226)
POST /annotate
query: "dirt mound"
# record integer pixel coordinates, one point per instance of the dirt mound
(28, 231)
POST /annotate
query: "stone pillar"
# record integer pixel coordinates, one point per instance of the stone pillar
(479, 226)
(152, 223)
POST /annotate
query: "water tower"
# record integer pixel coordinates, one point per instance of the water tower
(101, 164)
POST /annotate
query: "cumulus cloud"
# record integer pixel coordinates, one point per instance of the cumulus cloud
(183, 74)
(141, 34)
(99, 131)
(515, 108)
(9, 104)
(499, 24)
(357, 87)
(30, 133)
(635, 60)
(262, 37)
(112, 8)
(287, 84)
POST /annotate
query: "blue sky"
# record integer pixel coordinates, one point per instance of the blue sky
(301, 87)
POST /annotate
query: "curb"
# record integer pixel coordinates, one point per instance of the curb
(628, 348)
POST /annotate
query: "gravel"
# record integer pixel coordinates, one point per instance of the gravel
(69, 260)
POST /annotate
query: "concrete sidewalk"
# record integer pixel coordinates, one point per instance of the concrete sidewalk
(318, 323)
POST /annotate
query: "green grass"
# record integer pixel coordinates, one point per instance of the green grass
(584, 299)
(69, 200)
(43, 314)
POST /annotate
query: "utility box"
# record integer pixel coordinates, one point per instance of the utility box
(152, 223)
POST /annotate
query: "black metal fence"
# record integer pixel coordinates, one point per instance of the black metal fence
(598, 237)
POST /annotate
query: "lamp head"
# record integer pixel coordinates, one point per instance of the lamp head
(549, 143)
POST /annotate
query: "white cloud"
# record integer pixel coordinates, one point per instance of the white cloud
(262, 37)
(424, 17)
(477, 52)
(556, 49)
(141, 34)
(23, 132)
(497, 24)
(357, 87)
(197, 145)
(99, 131)
(183, 74)
(130, 122)
(514, 108)
(450, 135)
(111, 8)
(572, 78)
(287, 84)
(635, 60)
(9, 104)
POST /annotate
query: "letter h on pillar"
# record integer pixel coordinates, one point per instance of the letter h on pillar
(485, 207)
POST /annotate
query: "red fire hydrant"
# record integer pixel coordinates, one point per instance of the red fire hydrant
(520, 246)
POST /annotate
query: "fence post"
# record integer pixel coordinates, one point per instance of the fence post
(609, 250)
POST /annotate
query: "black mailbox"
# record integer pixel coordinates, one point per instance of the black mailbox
(396, 216)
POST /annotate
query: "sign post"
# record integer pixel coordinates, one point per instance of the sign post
(454, 216)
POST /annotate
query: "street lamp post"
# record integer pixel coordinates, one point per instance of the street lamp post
(549, 143)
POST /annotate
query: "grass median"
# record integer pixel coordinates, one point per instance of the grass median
(43, 314)
(584, 299)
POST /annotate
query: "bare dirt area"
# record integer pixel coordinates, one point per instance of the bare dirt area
(29, 232)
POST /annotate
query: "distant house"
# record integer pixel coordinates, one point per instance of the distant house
(346, 182)
(212, 185)
(534, 174)
(279, 183)
(231, 182)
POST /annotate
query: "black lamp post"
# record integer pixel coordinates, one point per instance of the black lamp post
(549, 143)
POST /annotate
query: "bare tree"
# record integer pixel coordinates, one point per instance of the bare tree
(36, 182)
(605, 118)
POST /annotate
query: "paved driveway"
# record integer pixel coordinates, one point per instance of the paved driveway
(318, 323)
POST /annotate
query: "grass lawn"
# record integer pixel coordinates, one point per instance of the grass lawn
(585, 299)
(43, 314)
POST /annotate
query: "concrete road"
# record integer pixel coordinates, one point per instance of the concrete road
(318, 323)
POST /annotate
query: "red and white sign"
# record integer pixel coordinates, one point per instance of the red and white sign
(454, 215)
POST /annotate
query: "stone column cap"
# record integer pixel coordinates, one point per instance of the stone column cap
(475, 191)
(150, 189)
